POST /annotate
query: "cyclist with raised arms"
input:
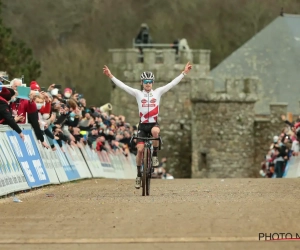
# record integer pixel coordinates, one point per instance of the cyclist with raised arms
(148, 103)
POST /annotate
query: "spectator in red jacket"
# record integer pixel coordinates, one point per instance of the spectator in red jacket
(46, 109)
(27, 108)
(6, 117)
(21, 106)
(100, 143)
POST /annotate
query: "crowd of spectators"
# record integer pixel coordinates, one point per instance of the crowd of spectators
(63, 116)
(284, 146)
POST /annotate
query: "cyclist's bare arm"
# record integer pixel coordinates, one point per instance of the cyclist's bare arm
(170, 85)
(120, 84)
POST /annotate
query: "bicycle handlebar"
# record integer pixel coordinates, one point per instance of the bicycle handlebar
(145, 138)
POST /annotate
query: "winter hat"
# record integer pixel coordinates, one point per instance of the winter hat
(68, 90)
(34, 86)
(6, 94)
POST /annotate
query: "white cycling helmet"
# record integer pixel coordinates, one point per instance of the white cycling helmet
(147, 75)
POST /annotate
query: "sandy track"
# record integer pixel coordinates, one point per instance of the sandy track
(111, 214)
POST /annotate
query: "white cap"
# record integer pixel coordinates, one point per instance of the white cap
(54, 91)
(262, 173)
(275, 138)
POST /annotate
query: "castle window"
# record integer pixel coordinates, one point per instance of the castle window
(203, 162)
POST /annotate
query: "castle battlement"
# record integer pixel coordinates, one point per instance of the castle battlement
(160, 56)
(164, 63)
(236, 90)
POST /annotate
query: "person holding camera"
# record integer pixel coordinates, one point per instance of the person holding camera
(6, 117)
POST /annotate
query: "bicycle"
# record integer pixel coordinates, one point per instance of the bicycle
(147, 168)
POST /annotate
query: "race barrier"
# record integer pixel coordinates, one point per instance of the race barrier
(27, 164)
(292, 169)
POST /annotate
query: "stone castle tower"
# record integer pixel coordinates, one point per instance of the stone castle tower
(205, 133)
(223, 132)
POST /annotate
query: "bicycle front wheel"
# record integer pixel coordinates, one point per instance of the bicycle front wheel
(149, 173)
(145, 171)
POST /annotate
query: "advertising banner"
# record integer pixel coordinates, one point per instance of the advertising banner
(108, 168)
(29, 158)
(113, 155)
(27, 164)
(105, 160)
(56, 163)
(69, 169)
(125, 162)
(79, 161)
(92, 160)
(47, 160)
(12, 175)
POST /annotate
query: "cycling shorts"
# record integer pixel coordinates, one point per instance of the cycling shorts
(144, 130)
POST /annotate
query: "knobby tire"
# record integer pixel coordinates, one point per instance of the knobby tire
(145, 171)
(149, 172)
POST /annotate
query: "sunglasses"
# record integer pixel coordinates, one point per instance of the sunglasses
(145, 81)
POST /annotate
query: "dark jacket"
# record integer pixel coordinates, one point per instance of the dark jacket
(65, 120)
(33, 119)
(6, 117)
(28, 108)
(78, 138)
(91, 139)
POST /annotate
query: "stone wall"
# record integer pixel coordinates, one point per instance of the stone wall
(223, 132)
(175, 109)
(262, 141)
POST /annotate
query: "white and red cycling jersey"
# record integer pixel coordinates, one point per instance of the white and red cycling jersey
(148, 102)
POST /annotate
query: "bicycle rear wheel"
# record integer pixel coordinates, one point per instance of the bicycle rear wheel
(145, 172)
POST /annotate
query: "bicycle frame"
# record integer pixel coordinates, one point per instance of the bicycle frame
(147, 162)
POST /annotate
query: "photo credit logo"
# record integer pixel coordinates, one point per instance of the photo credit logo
(278, 236)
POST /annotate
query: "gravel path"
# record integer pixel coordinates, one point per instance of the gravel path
(179, 214)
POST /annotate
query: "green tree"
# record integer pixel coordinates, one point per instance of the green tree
(15, 58)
